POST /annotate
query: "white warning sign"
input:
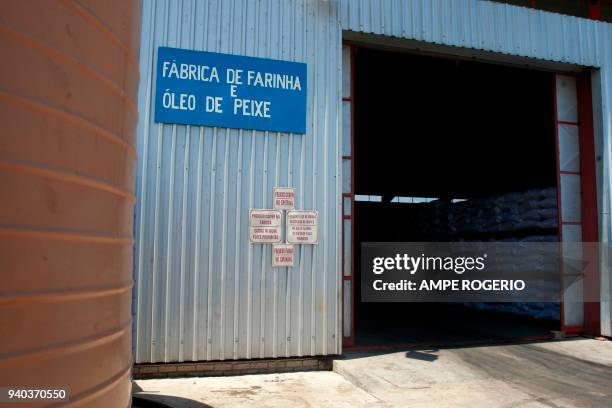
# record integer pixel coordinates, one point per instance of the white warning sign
(302, 227)
(264, 226)
(282, 254)
(284, 198)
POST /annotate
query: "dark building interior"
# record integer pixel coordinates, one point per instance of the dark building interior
(429, 134)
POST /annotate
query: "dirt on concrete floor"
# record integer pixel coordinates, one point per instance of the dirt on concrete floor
(571, 373)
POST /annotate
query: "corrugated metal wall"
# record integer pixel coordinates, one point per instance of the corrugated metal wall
(510, 30)
(481, 25)
(205, 293)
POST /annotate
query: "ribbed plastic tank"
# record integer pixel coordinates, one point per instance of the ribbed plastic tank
(68, 84)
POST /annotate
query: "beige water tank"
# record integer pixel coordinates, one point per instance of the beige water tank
(68, 84)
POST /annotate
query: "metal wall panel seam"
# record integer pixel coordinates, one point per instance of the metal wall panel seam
(262, 281)
(435, 16)
(279, 273)
(218, 221)
(183, 242)
(402, 23)
(250, 258)
(226, 135)
(325, 213)
(236, 337)
(264, 170)
(170, 225)
(304, 254)
(591, 43)
(156, 227)
(202, 324)
(317, 193)
(262, 254)
(184, 210)
(277, 159)
(314, 196)
(448, 22)
(172, 254)
(288, 272)
(276, 271)
(284, 34)
(211, 224)
(198, 243)
(390, 19)
(223, 248)
(273, 53)
(301, 204)
(169, 247)
(338, 189)
(250, 249)
(339, 199)
(332, 158)
(156, 223)
(288, 281)
(544, 44)
(380, 16)
(235, 194)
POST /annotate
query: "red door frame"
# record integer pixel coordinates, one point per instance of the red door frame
(594, 8)
(348, 341)
(589, 216)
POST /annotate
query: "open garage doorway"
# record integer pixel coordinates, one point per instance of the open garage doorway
(446, 150)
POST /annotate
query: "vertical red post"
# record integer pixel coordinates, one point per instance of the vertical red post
(590, 233)
(349, 341)
(594, 10)
(559, 219)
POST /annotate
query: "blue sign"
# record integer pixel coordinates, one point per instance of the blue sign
(212, 89)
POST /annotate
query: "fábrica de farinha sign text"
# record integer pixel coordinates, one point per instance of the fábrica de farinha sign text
(213, 89)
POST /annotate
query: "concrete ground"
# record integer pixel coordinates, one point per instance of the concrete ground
(570, 373)
(307, 389)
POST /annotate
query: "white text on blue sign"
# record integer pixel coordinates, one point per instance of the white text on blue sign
(212, 89)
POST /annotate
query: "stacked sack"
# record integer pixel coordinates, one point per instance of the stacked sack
(538, 310)
(509, 212)
(528, 216)
(530, 210)
(432, 218)
(515, 211)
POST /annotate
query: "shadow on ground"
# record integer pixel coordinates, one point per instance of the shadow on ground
(164, 401)
(426, 351)
(426, 355)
